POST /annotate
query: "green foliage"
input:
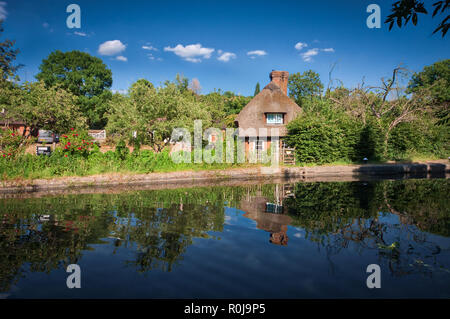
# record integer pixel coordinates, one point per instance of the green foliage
(419, 138)
(12, 144)
(153, 113)
(435, 78)
(122, 150)
(7, 57)
(304, 86)
(323, 136)
(76, 143)
(50, 108)
(90, 161)
(405, 10)
(257, 89)
(83, 75)
(326, 134)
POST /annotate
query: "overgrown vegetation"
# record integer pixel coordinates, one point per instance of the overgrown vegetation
(79, 156)
(386, 122)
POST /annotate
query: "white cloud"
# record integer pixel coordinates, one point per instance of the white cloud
(45, 25)
(81, 34)
(121, 58)
(112, 47)
(307, 56)
(192, 52)
(226, 56)
(328, 50)
(149, 47)
(256, 53)
(300, 45)
(3, 12)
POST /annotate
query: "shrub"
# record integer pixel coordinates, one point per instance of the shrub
(76, 143)
(318, 139)
(12, 144)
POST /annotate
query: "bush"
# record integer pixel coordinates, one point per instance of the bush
(12, 144)
(320, 139)
(76, 144)
(419, 138)
(323, 134)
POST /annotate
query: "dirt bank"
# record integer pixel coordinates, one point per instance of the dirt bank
(230, 177)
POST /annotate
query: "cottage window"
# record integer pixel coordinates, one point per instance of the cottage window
(274, 118)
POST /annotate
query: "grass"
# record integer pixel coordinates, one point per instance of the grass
(29, 167)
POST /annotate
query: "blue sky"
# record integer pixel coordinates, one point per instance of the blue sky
(229, 45)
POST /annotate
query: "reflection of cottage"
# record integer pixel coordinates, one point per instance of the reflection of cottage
(270, 108)
(269, 215)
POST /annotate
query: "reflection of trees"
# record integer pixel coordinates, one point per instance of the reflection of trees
(27, 242)
(163, 224)
(163, 234)
(423, 203)
(342, 215)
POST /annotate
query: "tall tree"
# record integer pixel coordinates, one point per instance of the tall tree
(405, 10)
(304, 85)
(47, 108)
(83, 75)
(8, 88)
(388, 104)
(435, 78)
(7, 57)
(257, 89)
(154, 112)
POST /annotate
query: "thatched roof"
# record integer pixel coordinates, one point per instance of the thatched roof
(270, 100)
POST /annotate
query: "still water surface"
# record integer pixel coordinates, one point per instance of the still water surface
(304, 240)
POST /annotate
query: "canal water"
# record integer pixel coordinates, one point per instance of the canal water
(291, 240)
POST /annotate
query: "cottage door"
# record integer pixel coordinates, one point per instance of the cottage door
(259, 147)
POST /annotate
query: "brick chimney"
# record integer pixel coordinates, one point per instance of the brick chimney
(280, 78)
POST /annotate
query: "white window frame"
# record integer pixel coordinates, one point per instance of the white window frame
(277, 118)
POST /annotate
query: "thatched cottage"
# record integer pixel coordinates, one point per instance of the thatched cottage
(270, 108)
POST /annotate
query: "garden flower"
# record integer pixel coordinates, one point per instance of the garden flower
(72, 129)
(79, 148)
(68, 143)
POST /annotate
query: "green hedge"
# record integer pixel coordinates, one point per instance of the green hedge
(323, 135)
